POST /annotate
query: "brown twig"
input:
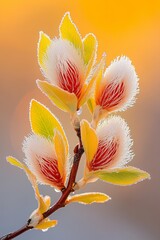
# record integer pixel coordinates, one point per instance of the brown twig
(78, 151)
(16, 233)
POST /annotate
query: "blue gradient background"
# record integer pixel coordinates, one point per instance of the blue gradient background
(122, 28)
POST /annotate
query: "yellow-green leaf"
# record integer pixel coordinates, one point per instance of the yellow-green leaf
(99, 76)
(122, 176)
(43, 122)
(91, 104)
(89, 50)
(30, 175)
(88, 198)
(45, 224)
(62, 99)
(43, 44)
(15, 162)
(18, 164)
(61, 154)
(69, 31)
(43, 202)
(47, 201)
(89, 88)
(89, 140)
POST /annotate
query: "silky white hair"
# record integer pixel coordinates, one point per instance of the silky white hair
(58, 54)
(116, 128)
(120, 69)
(35, 148)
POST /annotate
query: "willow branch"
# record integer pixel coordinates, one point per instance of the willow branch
(78, 151)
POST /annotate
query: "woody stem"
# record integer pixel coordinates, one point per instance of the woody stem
(77, 156)
(78, 151)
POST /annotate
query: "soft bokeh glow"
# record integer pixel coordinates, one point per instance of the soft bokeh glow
(123, 27)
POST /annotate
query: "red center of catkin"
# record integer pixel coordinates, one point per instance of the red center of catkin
(69, 79)
(49, 168)
(111, 95)
(104, 155)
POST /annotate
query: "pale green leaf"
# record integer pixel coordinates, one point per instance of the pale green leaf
(43, 122)
(122, 176)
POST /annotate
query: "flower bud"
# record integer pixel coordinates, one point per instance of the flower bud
(118, 87)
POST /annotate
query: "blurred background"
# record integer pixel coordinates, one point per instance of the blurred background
(123, 27)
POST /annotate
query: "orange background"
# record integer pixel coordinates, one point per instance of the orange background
(123, 27)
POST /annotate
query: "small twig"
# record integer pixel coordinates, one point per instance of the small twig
(78, 151)
(16, 233)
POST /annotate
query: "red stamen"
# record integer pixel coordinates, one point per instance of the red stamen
(111, 95)
(105, 154)
(69, 79)
(49, 168)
